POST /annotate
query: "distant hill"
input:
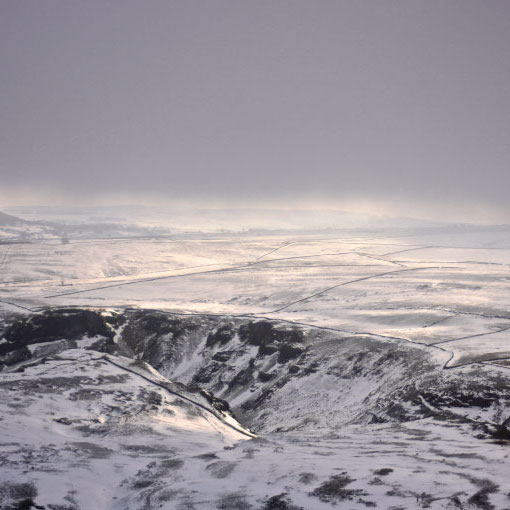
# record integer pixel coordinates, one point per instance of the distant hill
(8, 220)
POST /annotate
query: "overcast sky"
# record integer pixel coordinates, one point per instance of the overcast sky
(317, 101)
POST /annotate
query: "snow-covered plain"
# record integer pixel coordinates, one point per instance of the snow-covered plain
(432, 288)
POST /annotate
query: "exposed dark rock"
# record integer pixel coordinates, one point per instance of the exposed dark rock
(223, 356)
(256, 403)
(312, 368)
(206, 374)
(159, 339)
(54, 325)
(256, 333)
(265, 377)
(501, 433)
(106, 345)
(243, 378)
(143, 325)
(17, 356)
(263, 333)
(418, 389)
(267, 349)
(288, 352)
(221, 336)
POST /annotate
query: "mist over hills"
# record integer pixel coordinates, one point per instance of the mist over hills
(175, 220)
(8, 220)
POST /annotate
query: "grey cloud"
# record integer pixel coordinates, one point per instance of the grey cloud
(258, 99)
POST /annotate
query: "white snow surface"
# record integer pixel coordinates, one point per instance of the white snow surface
(81, 431)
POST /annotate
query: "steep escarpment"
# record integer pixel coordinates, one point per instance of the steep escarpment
(276, 376)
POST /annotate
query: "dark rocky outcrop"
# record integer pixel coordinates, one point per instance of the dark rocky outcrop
(254, 363)
(54, 325)
(220, 336)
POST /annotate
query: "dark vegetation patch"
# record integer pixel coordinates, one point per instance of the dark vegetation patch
(256, 333)
(307, 478)
(267, 349)
(221, 468)
(280, 502)
(383, 471)
(141, 448)
(335, 489)
(481, 498)
(17, 496)
(191, 410)
(150, 397)
(86, 394)
(122, 429)
(206, 456)
(91, 450)
(46, 384)
(173, 464)
(233, 502)
(150, 476)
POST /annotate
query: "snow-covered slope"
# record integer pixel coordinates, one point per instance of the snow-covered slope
(85, 430)
(342, 421)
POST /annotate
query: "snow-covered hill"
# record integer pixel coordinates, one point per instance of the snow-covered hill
(341, 421)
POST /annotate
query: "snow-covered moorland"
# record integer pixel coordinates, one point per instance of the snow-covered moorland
(286, 369)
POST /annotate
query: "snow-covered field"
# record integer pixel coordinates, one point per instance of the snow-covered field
(451, 289)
